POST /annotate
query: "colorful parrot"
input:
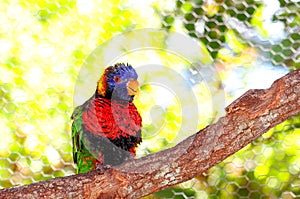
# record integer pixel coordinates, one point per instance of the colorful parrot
(106, 129)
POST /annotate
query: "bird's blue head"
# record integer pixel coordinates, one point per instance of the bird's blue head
(118, 82)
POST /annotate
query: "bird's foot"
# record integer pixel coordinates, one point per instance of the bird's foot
(103, 168)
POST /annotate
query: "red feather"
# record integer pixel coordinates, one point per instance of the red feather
(115, 118)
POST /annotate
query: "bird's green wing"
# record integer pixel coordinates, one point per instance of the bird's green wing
(81, 155)
(77, 131)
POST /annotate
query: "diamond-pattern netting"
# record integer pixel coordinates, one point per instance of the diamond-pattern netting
(45, 44)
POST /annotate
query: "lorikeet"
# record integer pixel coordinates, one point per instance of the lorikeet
(106, 129)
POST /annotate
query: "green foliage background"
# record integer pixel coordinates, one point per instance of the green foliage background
(43, 45)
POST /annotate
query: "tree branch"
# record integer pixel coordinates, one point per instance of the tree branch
(247, 118)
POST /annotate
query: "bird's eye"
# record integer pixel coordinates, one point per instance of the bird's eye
(117, 79)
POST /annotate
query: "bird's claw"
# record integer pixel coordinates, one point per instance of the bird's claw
(103, 168)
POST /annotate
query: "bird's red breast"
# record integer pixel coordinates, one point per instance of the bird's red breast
(112, 119)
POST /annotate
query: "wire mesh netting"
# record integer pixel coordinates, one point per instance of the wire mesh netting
(44, 45)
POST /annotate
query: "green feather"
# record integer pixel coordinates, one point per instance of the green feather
(81, 155)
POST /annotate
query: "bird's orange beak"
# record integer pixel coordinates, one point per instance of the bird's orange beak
(133, 87)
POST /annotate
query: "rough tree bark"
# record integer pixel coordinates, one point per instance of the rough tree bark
(247, 118)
